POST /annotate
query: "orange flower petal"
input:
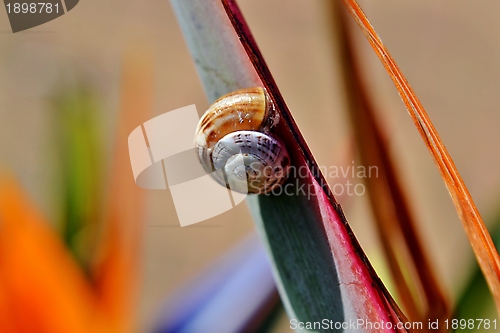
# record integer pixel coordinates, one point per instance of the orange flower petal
(41, 288)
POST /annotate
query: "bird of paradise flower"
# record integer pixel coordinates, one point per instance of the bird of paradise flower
(44, 288)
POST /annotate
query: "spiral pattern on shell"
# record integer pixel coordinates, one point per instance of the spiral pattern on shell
(235, 146)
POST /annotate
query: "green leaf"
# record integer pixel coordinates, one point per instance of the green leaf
(78, 148)
(476, 300)
(320, 269)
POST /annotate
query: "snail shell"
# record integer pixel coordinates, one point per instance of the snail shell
(234, 144)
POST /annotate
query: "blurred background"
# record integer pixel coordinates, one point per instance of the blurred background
(448, 50)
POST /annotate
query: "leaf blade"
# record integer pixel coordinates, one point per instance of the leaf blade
(417, 284)
(479, 237)
(324, 221)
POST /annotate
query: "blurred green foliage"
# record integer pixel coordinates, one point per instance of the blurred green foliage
(78, 146)
(476, 300)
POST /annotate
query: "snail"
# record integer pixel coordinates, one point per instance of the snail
(235, 145)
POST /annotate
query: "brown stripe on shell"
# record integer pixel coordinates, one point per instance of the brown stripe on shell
(244, 109)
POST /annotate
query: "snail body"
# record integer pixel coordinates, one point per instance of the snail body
(235, 146)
